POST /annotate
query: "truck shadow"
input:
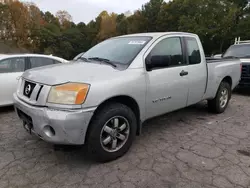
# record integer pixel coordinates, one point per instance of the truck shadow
(184, 119)
(244, 92)
(6, 109)
(181, 119)
(197, 109)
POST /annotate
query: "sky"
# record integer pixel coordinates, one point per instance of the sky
(86, 10)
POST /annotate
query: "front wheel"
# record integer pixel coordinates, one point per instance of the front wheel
(221, 100)
(112, 132)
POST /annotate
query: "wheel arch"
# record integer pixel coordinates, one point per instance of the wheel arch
(229, 80)
(126, 100)
(213, 103)
(226, 79)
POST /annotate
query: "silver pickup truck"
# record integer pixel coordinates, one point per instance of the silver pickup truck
(102, 100)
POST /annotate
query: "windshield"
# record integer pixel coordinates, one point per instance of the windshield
(118, 50)
(238, 51)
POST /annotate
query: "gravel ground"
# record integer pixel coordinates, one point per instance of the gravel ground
(190, 148)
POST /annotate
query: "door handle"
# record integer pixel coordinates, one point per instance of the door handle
(183, 73)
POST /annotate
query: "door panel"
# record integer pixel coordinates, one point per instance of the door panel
(10, 71)
(167, 86)
(8, 85)
(197, 83)
(167, 91)
(197, 77)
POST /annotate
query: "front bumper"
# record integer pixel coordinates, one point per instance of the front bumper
(69, 127)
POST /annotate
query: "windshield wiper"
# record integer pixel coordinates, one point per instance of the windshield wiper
(84, 59)
(107, 61)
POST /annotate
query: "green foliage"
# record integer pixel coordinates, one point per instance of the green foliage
(216, 22)
(150, 12)
(121, 24)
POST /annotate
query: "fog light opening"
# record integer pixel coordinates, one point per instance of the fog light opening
(49, 131)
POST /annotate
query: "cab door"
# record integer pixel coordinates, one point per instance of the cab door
(197, 69)
(166, 76)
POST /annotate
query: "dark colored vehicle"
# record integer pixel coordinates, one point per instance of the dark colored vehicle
(241, 50)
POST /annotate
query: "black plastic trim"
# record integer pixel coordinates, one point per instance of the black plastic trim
(41, 87)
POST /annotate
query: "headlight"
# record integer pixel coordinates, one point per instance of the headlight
(71, 93)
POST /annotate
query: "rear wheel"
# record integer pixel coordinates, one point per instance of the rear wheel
(112, 132)
(220, 102)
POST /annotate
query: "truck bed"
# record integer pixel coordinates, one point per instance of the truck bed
(219, 69)
(214, 60)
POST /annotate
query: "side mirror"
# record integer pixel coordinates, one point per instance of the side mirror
(157, 61)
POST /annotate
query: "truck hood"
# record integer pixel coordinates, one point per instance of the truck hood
(72, 72)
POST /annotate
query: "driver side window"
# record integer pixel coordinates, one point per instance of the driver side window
(167, 53)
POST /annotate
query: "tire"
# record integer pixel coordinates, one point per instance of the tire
(215, 105)
(98, 147)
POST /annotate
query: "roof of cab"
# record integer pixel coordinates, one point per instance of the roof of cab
(157, 34)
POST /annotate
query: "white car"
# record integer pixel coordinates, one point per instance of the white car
(13, 66)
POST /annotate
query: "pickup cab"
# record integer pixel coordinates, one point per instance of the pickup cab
(103, 100)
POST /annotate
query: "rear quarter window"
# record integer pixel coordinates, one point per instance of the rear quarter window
(193, 51)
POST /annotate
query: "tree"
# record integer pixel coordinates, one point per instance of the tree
(19, 19)
(216, 22)
(107, 26)
(77, 41)
(136, 23)
(121, 24)
(5, 22)
(50, 19)
(92, 31)
(212, 20)
(169, 15)
(48, 38)
(64, 18)
(34, 21)
(150, 12)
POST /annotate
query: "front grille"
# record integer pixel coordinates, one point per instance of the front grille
(33, 93)
(40, 89)
(28, 88)
(245, 74)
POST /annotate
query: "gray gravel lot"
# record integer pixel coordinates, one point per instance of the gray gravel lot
(190, 148)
